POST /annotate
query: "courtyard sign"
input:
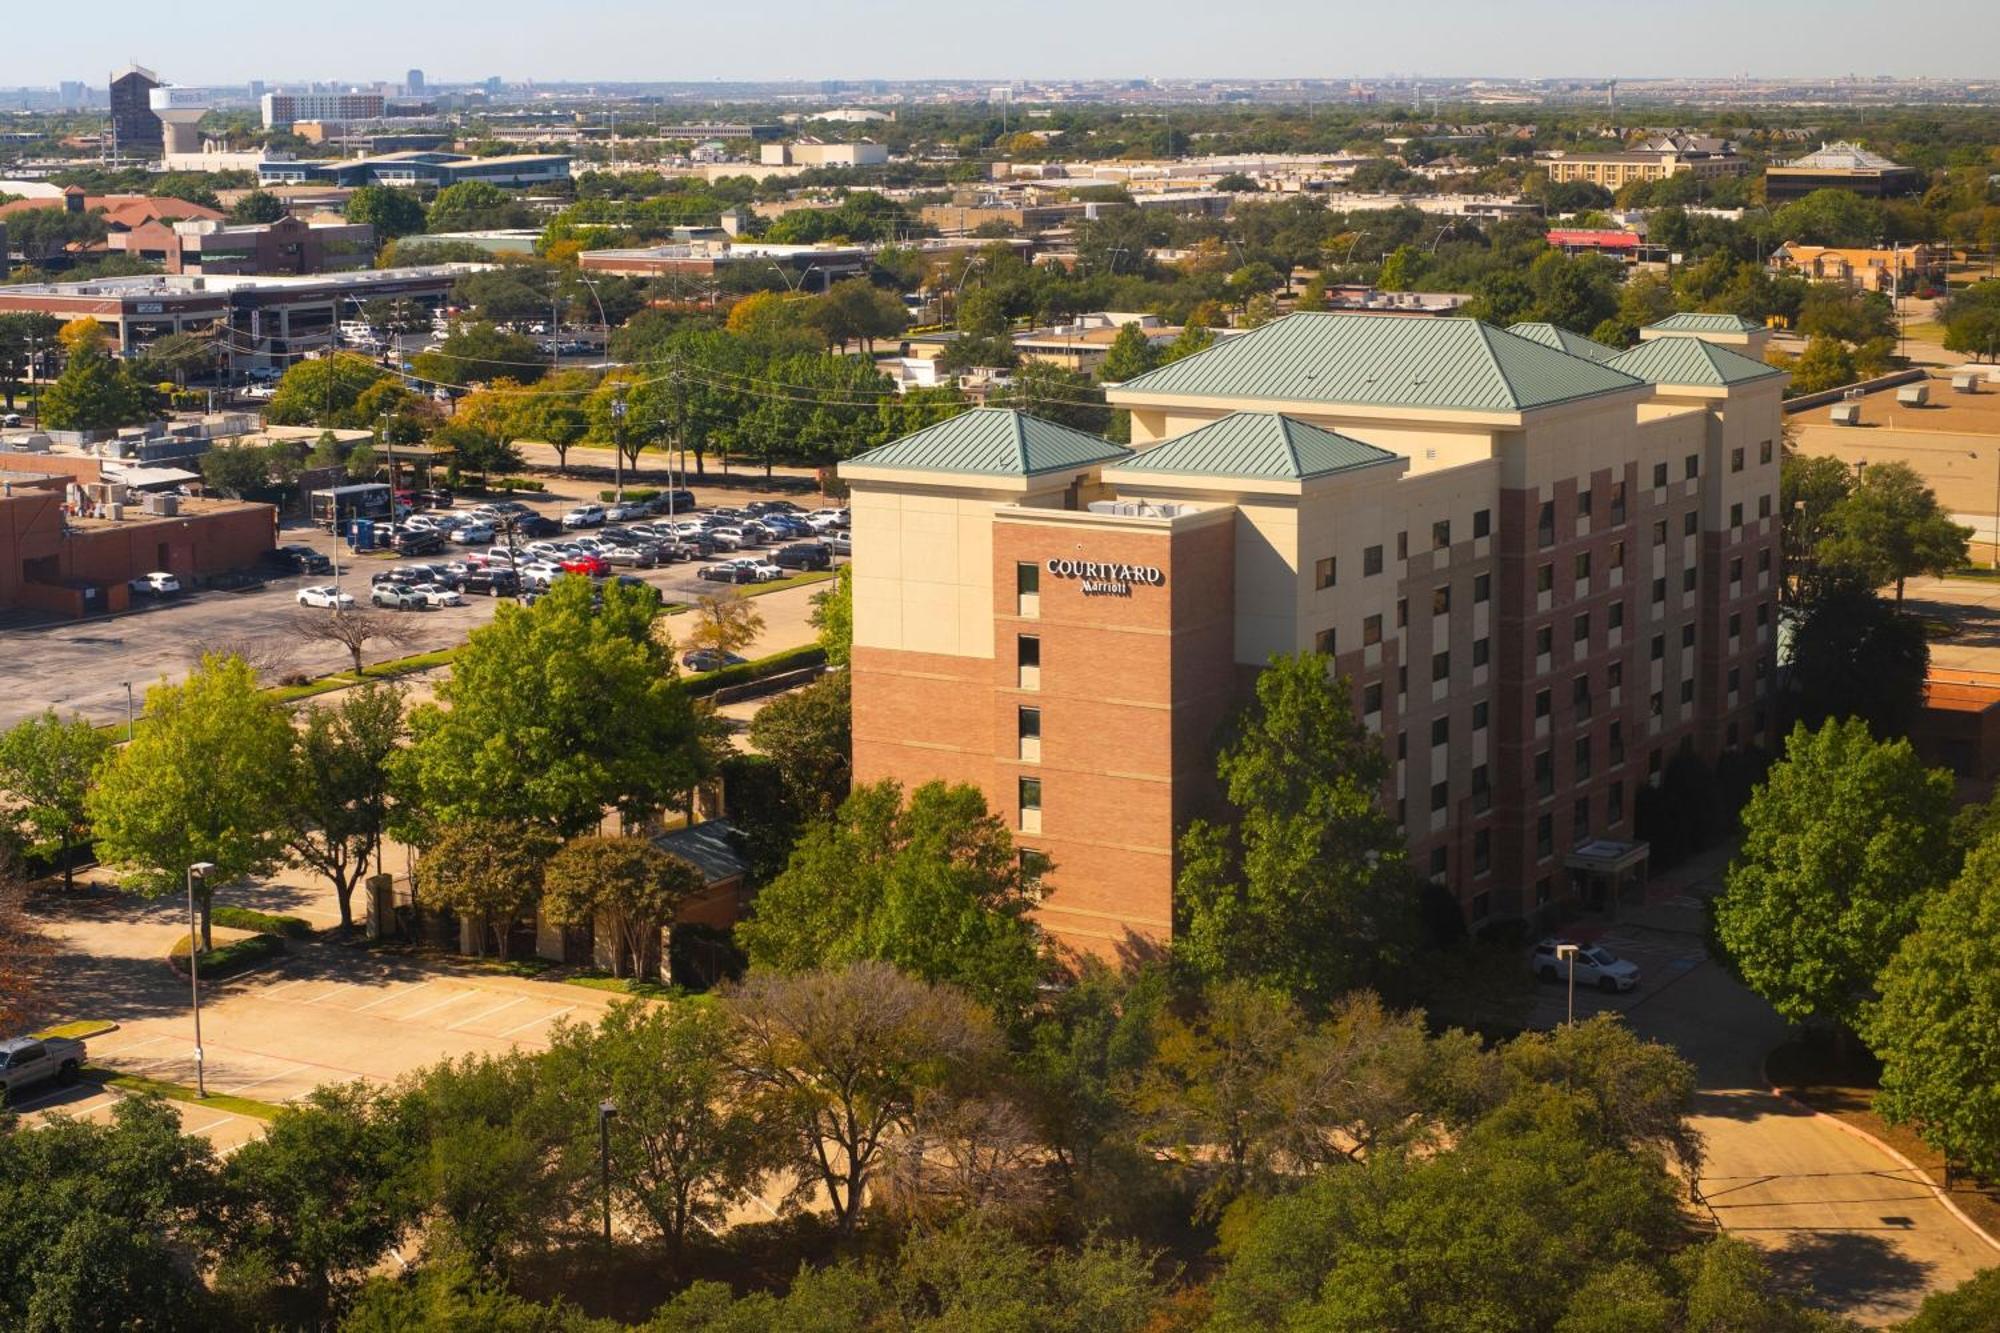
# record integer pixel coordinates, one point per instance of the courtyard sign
(1108, 580)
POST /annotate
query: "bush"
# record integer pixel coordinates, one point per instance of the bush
(634, 494)
(228, 959)
(792, 659)
(264, 923)
(517, 484)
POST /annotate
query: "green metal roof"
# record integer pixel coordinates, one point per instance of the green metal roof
(1260, 445)
(1691, 322)
(1554, 335)
(994, 442)
(1691, 361)
(1384, 361)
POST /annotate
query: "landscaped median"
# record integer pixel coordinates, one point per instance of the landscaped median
(226, 960)
(180, 1092)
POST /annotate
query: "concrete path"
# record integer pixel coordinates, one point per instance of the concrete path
(1838, 1215)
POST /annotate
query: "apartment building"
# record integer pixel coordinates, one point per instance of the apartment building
(1654, 160)
(1544, 567)
(281, 110)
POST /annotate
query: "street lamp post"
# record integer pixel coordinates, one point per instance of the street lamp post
(1568, 952)
(618, 441)
(606, 1111)
(128, 712)
(201, 868)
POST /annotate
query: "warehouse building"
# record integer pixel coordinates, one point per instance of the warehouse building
(1543, 572)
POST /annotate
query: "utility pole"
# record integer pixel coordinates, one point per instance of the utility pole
(618, 440)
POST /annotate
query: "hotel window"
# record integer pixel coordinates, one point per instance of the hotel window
(1031, 805)
(1614, 803)
(1693, 466)
(1582, 758)
(1764, 451)
(1403, 679)
(1545, 890)
(1545, 640)
(1323, 572)
(1579, 818)
(1617, 742)
(1028, 657)
(1479, 714)
(1764, 560)
(1028, 726)
(1763, 506)
(1736, 459)
(1763, 614)
(1545, 524)
(1689, 577)
(1402, 745)
(1542, 698)
(1371, 698)
(1545, 837)
(1659, 475)
(1657, 705)
(1735, 623)
(1659, 647)
(1482, 851)
(1371, 631)
(1583, 501)
(1441, 600)
(1482, 652)
(1736, 570)
(1687, 690)
(1579, 697)
(1617, 555)
(1688, 523)
(1440, 863)
(1441, 534)
(1323, 642)
(1582, 564)
(1580, 629)
(1614, 675)
(1545, 773)
(1441, 665)
(1545, 578)
(1659, 590)
(1482, 523)
(1735, 679)
(1033, 864)
(1736, 515)
(1615, 615)
(1402, 612)
(1659, 532)
(1371, 561)
(1441, 731)
(1482, 791)
(1482, 588)
(1440, 796)
(1617, 502)
(1403, 545)
(1027, 589)
(1687, 636)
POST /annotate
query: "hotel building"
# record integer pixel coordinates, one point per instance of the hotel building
(1545, 566)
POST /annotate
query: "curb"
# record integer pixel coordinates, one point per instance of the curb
(1855, 1131)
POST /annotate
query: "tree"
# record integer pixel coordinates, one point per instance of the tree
(352, 630)
(321, 1195)
(1825, 364)
(552, 713)
(625, 887)
(1855, 655)
(1053, 393)
(1830, 217)
(1971, 320)
(933, 887)
(1192, 338)
(235, 470)
(1130, 355)
(324, 391)
(1936, 1025)
(481, 353)
(684, 1148)
(22, 337)
(842, 1061)
(1971, 1307)
(1810, 491)
(339, 787)
(390, 211)
(475, 206)
(724, 622)
(1720, 1284)
(488, 872)
(1306, 892)
(1891, 527)
(809, 735)
(856, 310)
(1842, 844)
(202, 781)
(94, 392)
(46, 767)
(833, 616)
(257, 206)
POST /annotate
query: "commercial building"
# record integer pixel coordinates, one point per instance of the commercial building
(1886, 270)
(811, 153)
(1543, 574)
(1839, 166)
(810, 268)
(282, 109)
(1654, 160)
(287, 246)
(135, 130)
(270, 320)
(417, 169)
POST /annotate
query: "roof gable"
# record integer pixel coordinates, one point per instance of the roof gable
(1691, 361)
(994, 442)
(1265, 446)
(1375, 360)
(1696, 322)
(1554, 335)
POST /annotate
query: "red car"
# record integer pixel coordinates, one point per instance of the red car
(585, 564)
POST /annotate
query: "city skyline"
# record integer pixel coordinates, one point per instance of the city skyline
(627, 41)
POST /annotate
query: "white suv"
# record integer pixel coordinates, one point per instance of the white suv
(584, 516)
(1595, 966)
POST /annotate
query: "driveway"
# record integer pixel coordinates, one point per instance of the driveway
(1838, 1215)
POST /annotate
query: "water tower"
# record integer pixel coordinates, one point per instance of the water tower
(180, 111)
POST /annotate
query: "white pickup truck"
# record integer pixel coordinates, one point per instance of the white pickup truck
(28, 1062)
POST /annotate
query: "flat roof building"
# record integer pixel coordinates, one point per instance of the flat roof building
(286, 246)
(1656, 159)
(1543, 573)
(281, 110)
(418, 168)
(1839, 166)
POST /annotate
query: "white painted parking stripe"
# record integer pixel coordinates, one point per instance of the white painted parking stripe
(98, 1050)
(259, 1082)
(282, 987)
(392, 995)
(339, 988)
(450, 999)
(213, 1124)
(480, 1018)
(545, 1018)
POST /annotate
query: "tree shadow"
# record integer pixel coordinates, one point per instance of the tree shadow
(1745, 1105)
(1842, 1270)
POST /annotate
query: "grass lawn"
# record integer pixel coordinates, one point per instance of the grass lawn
(651, 990)
(180, 1092)
(1812, 1072)
(81, 1030)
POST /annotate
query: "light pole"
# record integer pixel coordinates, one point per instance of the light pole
(1568, 951)
(128, 712)
(618, 440)
(201, 868)
(606, 1111)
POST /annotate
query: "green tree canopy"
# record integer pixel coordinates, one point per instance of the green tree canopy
(628, 888)
(324, 392)
(475, 206)
(94, 392)
(487, 872)
(1854, 655)
(47, 766)
(809, 735)
(257, 206)
(1892, 527)
(481, 353)
(339, 787)
(390, 211)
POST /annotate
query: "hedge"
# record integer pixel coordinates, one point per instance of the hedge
(264, 923)
(228, 959)
(517, 484)
(633, 494)
(792, 659)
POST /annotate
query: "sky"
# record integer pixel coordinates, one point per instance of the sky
(233, 41)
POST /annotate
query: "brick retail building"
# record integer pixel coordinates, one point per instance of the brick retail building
(1544, 565)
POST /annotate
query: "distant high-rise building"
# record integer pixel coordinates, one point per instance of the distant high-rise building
(493, 86)
(72, 94)
(135, 130)
(282, 109)
(256, 90)
(413, 82)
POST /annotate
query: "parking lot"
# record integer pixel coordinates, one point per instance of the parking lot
(82, 666)
(1663, 958)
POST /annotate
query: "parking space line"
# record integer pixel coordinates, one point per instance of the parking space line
(392, 995)
(259, 1082)
(449, 999)
(97, 1050)
(213, 1124)
(339, 988)
(545, 1018)
(480, 1018)
(274, 991)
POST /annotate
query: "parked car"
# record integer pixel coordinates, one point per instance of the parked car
(638, 556)
(828, 518)
(725, 539)
(584, 516)
(437, 594)
(804, 555)
(626, 510)
(297, 560)
(472, 534)
(437, 497)
(743, 569)
(159, 583)
(707, 659)
(494, 581)
(538, 574)
(30, 1062)
(584, 563)
(398, 597)
(535, 525)
(1595, 966)
(417, 541)
(840, 543)
(326, 596)
(762, 507)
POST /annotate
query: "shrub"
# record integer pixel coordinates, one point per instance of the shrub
(228, 959)
(792, 659)
(264, 923)
(518, 484)
(636, 494)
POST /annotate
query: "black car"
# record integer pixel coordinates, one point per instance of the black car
(435, 498)
(530, 527)
(298, 560)
(804, 555)
(758, 508)
(414, 541)
(493, 582)
(673, 502)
